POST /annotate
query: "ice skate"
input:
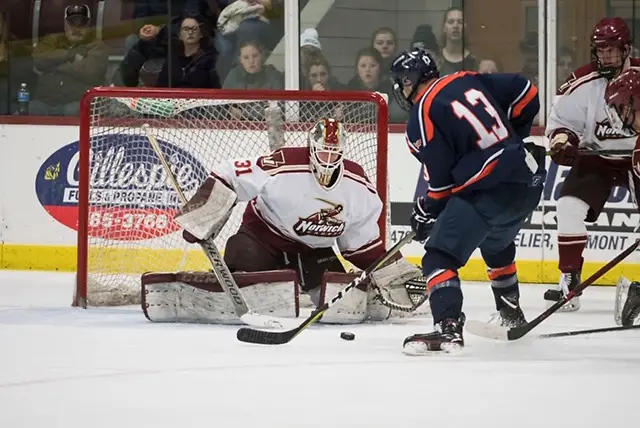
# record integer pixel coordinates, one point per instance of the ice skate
(511, 314)
(627, 307)
(447, 337)
(568, 281)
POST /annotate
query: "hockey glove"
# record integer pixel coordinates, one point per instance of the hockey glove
(422, 221)
(564, 147)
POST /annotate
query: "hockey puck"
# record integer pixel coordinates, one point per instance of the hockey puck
(347, 336)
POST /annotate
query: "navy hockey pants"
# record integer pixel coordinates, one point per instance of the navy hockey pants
(488, 220)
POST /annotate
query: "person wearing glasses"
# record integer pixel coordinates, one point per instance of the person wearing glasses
(192, 63)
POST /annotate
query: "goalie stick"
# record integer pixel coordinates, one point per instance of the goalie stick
(589, 331)
(220, 269)
(497, 332)
(261, 337)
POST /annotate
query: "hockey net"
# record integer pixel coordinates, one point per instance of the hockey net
(126, 203)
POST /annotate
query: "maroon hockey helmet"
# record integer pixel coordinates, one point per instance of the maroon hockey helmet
(623, 98)
(610, 33)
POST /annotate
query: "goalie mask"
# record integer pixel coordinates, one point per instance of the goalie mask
(326, 150)
(623, 99)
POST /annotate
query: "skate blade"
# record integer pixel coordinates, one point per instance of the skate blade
(420, 349)
(572, 306)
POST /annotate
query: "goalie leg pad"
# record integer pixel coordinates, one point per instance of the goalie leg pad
(206, 213)
(196, 297)
(351, 309)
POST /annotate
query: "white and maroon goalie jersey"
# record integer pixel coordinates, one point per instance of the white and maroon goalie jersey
(292, 212)
(579, 106)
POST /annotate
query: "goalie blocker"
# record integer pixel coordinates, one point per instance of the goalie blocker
(196, 297)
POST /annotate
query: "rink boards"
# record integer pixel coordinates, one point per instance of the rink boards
(45, 239)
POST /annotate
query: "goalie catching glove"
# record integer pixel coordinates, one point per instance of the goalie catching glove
(392, 281)
(206, 213)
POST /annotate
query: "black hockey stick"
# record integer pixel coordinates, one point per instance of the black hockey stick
(250, 335)
(590, 331)
(493, 331)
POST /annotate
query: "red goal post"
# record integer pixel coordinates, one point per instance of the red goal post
(126, 205)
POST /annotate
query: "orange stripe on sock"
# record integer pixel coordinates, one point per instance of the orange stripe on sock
(442, 277)
(502, 271)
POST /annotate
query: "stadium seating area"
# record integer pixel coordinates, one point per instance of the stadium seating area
(344, 44)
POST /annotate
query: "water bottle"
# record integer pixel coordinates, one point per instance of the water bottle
(23, 100)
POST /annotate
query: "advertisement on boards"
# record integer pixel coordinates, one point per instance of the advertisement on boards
(130, 196)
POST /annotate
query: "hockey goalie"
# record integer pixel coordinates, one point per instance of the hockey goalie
(302, 201)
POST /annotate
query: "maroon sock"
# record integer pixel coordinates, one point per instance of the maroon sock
(570, 250)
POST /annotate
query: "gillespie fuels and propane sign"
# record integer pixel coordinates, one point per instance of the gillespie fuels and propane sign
(129, 187)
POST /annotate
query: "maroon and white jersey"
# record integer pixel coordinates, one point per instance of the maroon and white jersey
(293, 213)
(580, 107)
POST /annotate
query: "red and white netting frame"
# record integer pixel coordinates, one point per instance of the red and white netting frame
(118, 240)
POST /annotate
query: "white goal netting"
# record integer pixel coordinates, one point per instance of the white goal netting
(126, 225)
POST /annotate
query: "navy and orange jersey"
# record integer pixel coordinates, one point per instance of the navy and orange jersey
(467, 129)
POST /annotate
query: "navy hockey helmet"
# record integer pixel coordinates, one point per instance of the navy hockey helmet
(410, 69)
(612, 35)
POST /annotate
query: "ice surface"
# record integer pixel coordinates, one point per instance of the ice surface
(109, 367)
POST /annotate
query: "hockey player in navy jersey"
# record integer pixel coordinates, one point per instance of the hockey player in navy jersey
(467, 130)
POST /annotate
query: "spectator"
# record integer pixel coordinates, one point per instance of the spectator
(454, 53)
(244, 20)
(566, 64)
(193, 64)
(368, 73)
(424, 38)
(487, 66)
(529, 51)
(384, 40)
(310, 49)
(320, 78)
(193, 57)
(252, 73)
(68, 65)
(369, 78)
(156, 13)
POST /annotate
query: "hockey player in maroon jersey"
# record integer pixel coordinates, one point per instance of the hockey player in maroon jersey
(579, 120)
(302, 202)
(623, 101)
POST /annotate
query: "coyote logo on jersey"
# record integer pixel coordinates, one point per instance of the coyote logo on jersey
(322, 223)
(604, 131)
